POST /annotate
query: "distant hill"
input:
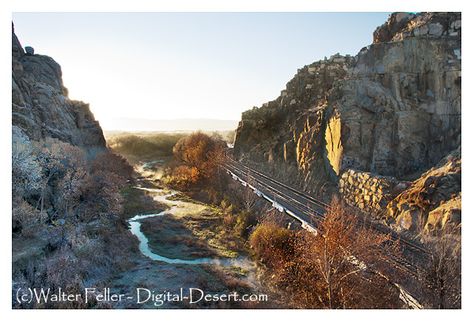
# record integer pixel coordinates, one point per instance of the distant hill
(174, 125)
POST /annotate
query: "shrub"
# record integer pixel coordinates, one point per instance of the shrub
(337, 268)
(273, 245)
(24, 217)
(70, 201)
(27, 177)
(144, 147)
(113, 163)
(244, 222)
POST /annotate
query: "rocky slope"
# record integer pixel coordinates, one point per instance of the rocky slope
(67, 229)
(392, 110)
(40, 104)
(431, 202)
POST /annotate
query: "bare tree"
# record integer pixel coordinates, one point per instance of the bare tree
(249, 198)
(344, 256)
(340, 267)
(442, 278)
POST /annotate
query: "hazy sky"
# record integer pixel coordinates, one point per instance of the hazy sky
(187, 65)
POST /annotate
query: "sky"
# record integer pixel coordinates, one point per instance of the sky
(168, 66)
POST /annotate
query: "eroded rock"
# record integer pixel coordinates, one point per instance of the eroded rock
(435, 198)
(40, 103)
(393, 110)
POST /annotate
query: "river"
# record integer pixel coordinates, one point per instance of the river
(175, 208)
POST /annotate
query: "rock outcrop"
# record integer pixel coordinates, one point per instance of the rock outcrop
(40, 104)
(402, 25)
(433, 201)
(290, 131)
(393, 110)
(368, 191)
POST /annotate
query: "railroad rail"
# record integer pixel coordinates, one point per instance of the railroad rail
(310, 211)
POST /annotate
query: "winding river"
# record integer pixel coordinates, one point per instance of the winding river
(176, 207)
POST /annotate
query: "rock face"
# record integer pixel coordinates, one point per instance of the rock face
(290, 131)
(40, 104)
(402, 25)
(433, 201)
(392, 110)
(367, 191)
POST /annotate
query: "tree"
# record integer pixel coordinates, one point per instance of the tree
(249, 198)
(337, 268)
(100, 191)
(442, 277)
(77, 186)
(63, 167)
(71, 187)
(343, 256)
(198, 156)
(185, 175)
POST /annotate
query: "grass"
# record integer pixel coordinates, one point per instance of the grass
(144, 147)
(191, 232)
(137, 201)
(168, 236)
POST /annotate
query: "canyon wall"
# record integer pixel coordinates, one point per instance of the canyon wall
(393, 110)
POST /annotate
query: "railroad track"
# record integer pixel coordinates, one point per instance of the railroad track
(321, 206)
(317, 214)
(309, 210)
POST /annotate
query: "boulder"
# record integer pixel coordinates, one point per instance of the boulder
(29, 50)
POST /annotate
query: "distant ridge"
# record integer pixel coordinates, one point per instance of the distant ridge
(173, 125)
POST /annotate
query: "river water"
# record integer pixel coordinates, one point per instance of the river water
(176, 207)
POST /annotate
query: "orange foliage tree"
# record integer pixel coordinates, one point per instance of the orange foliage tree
(198, 156)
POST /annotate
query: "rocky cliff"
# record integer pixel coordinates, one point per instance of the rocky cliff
(40, 104)
(393, 110)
